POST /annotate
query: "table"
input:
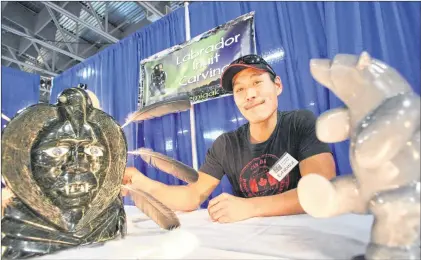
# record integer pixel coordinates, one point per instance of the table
(288, 237)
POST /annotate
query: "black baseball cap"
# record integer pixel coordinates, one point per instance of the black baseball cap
(248, 61)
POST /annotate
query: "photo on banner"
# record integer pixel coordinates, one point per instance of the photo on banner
(196, 66)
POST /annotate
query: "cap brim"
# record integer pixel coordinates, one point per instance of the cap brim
(231, 71)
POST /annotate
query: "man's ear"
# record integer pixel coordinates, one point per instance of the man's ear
(278, 85)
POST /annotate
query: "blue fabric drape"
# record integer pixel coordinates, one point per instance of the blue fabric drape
(19, 90)
(113, 75)
(170, 134)
(300, 31)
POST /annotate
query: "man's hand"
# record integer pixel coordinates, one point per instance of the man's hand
(227, 208)
(6, 196)
(132, 177)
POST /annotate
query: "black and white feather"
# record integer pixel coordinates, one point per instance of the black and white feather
(178, 104)
(167, 164)
(157, 211)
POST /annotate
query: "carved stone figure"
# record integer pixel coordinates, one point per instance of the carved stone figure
(64, 164)
(382, 121)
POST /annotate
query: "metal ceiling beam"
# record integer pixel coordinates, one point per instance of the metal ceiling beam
(167, 9)
(135, 27)
(47, 45)
(43, 18)
(21, 16)
(119, 26)
(38, 52)
(48, 32)
(14, 57)
(77, 19)
(3, 5)
(42, 57)
(108, 24)
(106, 16)
(62, 62)
(29, 66)
(148, 6)
(61, 31)
(54, 61)
(12, 41)
(93, 12)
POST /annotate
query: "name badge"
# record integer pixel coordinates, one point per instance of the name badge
(283, 166)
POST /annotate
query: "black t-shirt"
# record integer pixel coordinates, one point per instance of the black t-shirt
(247, 165)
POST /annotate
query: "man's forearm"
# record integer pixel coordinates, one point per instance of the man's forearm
(283, 204)
(178, 198)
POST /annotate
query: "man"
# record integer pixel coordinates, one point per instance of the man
(247, 154)
(158, 78)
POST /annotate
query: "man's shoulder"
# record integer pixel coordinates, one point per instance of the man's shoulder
(240, 132)
(297, 115)
(232, 135)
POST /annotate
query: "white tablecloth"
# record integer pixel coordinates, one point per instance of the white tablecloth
(289, 237)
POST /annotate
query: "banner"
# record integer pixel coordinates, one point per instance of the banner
(195, 67)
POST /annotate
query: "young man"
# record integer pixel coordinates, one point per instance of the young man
(248, 154)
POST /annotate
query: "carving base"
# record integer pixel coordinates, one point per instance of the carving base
(383, 253)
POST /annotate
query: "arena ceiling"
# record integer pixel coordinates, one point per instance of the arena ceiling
(48, 38)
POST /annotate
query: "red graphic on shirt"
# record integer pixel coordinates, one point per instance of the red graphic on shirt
(255, 179)
(262, 182)
(253, 186)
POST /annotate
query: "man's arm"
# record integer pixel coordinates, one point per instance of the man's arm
(227, 208)
(314, 156)
(178, 198)
(287, 203)
(184, 197)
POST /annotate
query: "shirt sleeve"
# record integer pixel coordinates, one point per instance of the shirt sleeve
(308, 143)
(214, 158)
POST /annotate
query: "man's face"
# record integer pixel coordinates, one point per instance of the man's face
(255, 94)
(67, 166)
(160, 67)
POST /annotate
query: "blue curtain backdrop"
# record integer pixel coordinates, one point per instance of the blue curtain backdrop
(288, 34)
(170, 134)
(298, 32)
(19, 89)
(113, 75)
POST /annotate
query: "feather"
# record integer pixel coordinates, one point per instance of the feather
(158, 212)
(179, 104)
(5, 117)
(94, 99)
(167, 164)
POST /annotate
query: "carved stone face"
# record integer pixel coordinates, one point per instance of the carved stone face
(69, 167)
(69, 158)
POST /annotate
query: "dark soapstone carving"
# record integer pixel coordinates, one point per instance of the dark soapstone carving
(65, 164)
